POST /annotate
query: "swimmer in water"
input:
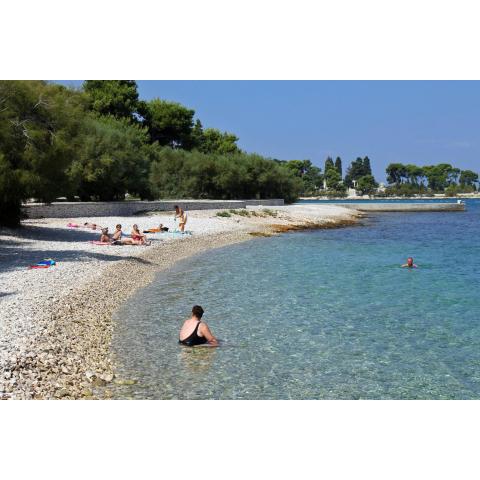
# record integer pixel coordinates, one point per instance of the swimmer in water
(195, 332)
(409, 263)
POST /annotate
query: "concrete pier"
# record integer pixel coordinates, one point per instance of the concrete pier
(404, 207)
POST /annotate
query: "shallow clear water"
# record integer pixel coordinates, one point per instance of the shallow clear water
(317, 315)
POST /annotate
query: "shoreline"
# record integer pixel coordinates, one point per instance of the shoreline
(68, 355)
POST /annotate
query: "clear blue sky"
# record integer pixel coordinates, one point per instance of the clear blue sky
(420, 122)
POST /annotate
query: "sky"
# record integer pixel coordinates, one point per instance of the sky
(421, 122)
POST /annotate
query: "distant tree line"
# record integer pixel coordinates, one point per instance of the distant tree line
(410, 179)
(102, 141)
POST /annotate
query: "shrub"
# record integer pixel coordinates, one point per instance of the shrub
(223, 213)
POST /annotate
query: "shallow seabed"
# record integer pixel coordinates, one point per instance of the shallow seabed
(325, 314)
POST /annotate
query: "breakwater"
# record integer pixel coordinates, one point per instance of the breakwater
(404, 207)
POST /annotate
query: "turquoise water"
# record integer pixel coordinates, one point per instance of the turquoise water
(325, 314)
(388, 200)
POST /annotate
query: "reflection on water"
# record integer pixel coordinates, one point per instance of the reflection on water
(323, 314)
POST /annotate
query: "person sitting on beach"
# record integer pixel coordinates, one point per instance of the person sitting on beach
(117, 235)
(137, 237)
(409, 263)
(105, 237)
(182, 217)
(195, 332)
(158, 229)
(93, 226)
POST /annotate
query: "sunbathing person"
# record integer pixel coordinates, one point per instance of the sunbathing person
(93, 226)
(182, 217)
(105, 237)
(117, 235)
(137, 237)
(158, 229)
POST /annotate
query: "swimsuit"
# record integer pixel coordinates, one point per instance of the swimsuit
(193, 339)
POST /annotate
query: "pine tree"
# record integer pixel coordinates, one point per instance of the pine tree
(338, 166)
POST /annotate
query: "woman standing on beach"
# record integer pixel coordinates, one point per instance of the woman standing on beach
(182, 217)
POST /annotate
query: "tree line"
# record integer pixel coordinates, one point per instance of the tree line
(102, 141)
(409, 179)
(402, 179)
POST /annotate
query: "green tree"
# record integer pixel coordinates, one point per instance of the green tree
(328, 164)
(169, 123)
(118, 98)
(367, 170)
(311, 175)
(413, 174)
(196, 137)
(333, 179)
(38, 141)
(396, 173)
(215, 141)
(367, 184)
(438, 176)
(114, 159)
(338, 166)
(357, 169)
(468, 178)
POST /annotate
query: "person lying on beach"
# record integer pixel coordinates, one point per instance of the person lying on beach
(195, 332)
(158, 229)
(93, 226)
(409, 263)
(137, 237)
(182, 217)
(105, 237)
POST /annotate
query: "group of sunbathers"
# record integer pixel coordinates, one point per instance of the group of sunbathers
(136, 237)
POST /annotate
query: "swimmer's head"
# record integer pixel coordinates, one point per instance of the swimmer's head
(410, 261)
(197, 311)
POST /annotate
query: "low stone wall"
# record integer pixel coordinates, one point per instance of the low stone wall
(129, 208)
(273, 202)
(404, 207)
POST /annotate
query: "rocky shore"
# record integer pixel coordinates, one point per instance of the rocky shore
(56, 329)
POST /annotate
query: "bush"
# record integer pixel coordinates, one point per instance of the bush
(182, 174)
(269, 212)
(223, 213)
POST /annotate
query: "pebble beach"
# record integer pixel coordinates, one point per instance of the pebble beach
(56, 323)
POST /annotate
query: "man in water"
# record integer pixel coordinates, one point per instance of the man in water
(410, 263)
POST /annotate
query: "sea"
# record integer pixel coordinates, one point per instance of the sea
(320, 314)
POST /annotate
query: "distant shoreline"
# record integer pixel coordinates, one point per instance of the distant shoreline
(373, 198)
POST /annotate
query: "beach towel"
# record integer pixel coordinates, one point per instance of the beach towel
(47, 263)
(98, 242)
